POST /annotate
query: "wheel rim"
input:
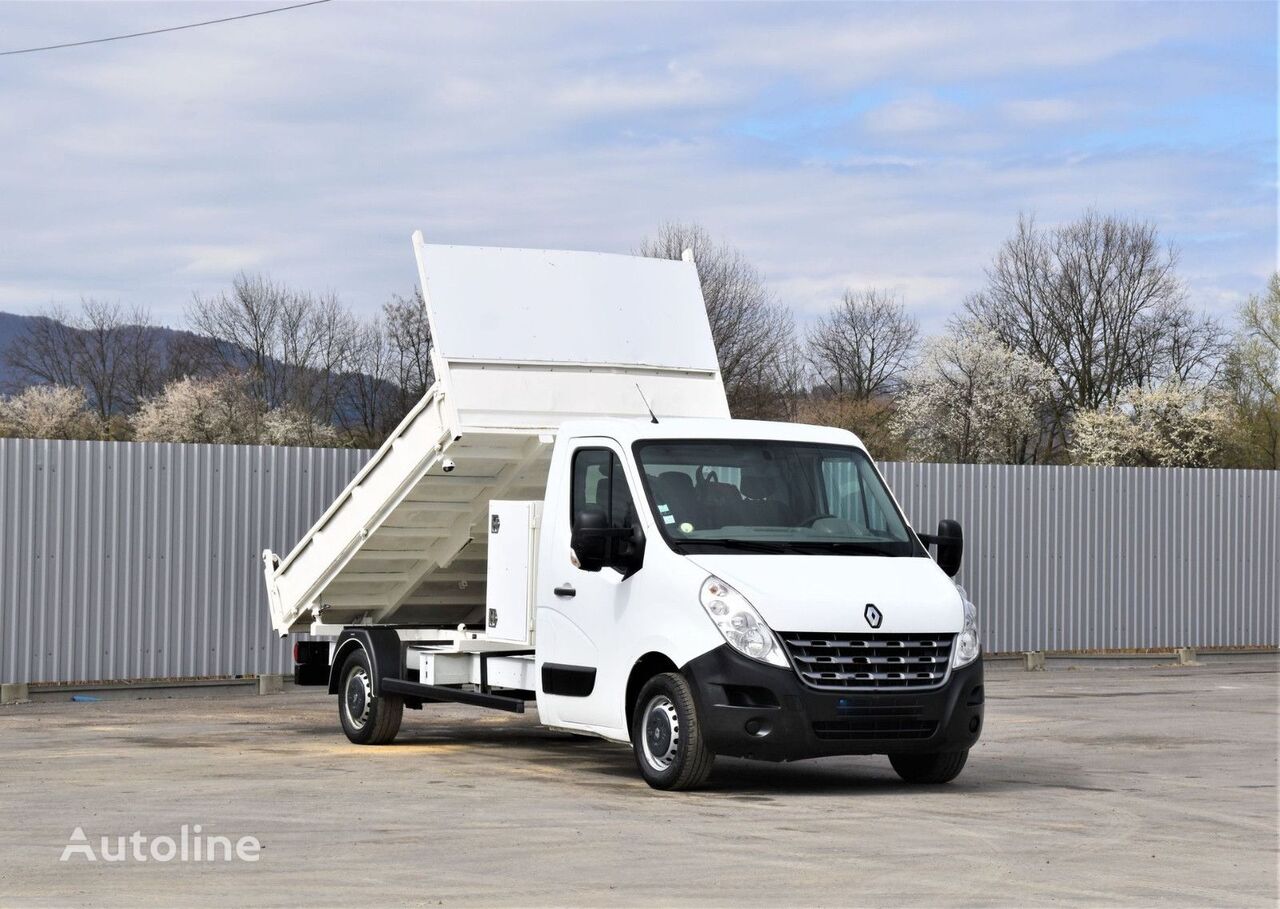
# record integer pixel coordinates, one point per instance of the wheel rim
(660, 733)
(357, 697)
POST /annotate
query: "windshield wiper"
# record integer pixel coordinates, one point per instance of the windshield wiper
(738, 545)
(794, 547)
(848, 547)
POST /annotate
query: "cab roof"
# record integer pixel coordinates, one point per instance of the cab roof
(631, 429)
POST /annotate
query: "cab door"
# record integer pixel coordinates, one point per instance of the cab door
(581, 675)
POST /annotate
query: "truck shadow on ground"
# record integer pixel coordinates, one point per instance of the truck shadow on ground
(749, 780)
(528, 749)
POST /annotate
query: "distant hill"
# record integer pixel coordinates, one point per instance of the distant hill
(14, 326)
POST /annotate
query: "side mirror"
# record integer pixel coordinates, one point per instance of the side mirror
(590, 538)
(629, 553)
(950, 543)
(596, 545)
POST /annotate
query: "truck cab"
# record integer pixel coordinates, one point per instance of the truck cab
(570, 518)
(762, 571)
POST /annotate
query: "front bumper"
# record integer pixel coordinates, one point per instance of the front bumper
(753, 710)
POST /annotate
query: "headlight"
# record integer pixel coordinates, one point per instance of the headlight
(740, 624)
(967, 646)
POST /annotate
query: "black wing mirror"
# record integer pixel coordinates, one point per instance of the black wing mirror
(590, 538)
(596, 545)
(949, 541)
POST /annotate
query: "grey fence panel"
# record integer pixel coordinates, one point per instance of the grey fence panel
(1066, 558)
(126, 561)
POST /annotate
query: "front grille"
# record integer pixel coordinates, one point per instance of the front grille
(847, 661)
(884, 717)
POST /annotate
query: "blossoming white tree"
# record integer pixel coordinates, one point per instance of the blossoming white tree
(201, 410)
(290, 426)
(1172, 425)
(971, 399)
(48, 412)
(223, 410)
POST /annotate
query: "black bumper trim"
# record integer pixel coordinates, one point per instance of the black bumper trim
(808, 723)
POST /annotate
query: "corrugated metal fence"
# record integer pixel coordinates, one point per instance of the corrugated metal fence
(123, 560)
(1079, 558)
(126, 561)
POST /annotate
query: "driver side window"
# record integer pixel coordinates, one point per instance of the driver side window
(598, 482)
(851, 499)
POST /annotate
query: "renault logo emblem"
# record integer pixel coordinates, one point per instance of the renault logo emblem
(874, 618)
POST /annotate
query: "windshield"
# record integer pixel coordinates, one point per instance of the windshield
(771, 497)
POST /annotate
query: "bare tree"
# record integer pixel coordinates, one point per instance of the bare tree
(372, 395)
(112, 353)
(296, 348)
(1097, 302)
(753, 334)
(1252, 380)
(242, 331)
(408, 335)
(1186, 347)
(873, 420)
(45, 350)
(190, 354)
(793, 379)
(864, 345)
(318, 341)
(390, 369)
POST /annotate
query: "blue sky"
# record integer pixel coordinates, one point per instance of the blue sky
(838, 145)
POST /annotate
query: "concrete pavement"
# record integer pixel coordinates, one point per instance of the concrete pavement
(1119, 787)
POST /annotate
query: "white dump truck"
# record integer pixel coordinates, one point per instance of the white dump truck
(570, 517)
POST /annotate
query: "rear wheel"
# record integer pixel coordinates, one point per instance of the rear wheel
(368, 718)
(670, 750)
(940, 767)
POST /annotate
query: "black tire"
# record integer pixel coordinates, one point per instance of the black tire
(940, 767)
(666, 736)
(367, 717)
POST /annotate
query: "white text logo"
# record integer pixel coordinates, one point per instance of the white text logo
(190, 845)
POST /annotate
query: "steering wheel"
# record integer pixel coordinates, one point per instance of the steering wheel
(818, 516)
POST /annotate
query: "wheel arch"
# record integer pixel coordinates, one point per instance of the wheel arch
(381, 646)
(646, 667)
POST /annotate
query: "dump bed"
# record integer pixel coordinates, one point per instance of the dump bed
(522, 340)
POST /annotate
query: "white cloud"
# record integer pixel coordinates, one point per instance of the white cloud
(310, 144)
(219, 261)
(915, 115)
(1045, 111)
(848, 45)
(675, 88)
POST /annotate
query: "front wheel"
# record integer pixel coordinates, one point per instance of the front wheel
(940, 767)
(368, 717)
(670, 749)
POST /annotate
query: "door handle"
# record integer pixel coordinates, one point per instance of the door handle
(565, 590)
